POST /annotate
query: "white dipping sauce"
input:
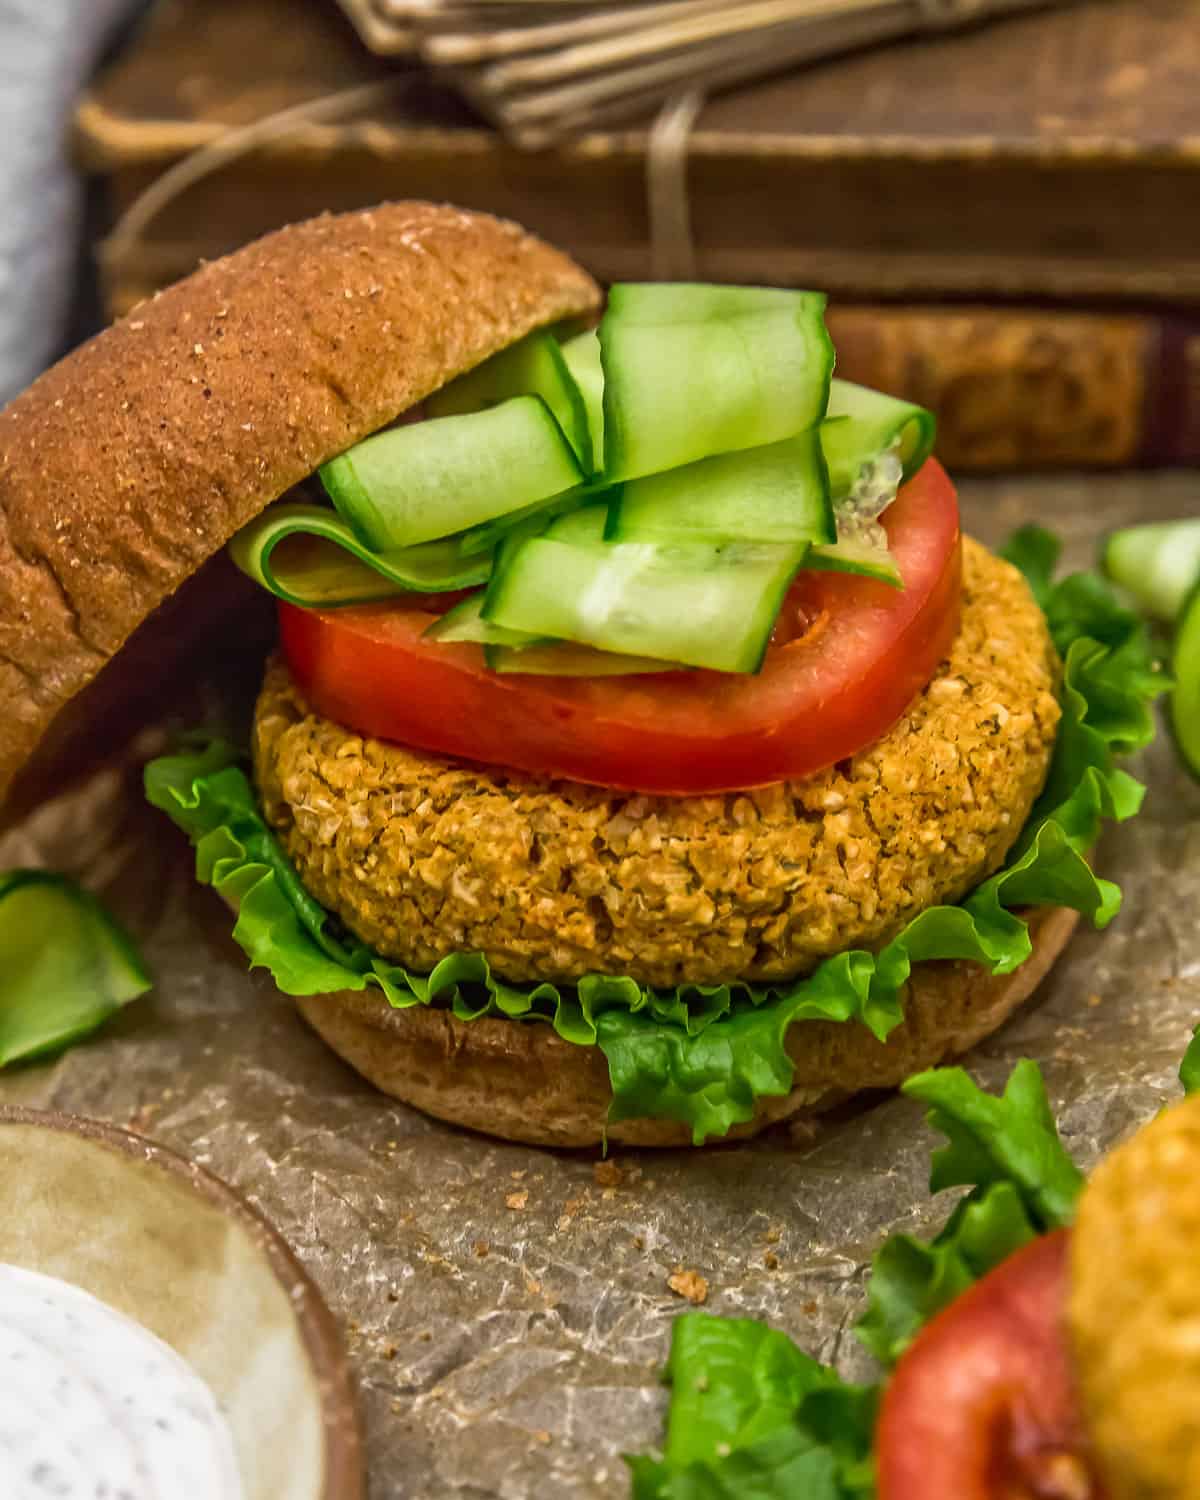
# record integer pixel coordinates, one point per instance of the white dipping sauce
(94, 1407)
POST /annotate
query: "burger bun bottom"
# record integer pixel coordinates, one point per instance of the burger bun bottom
(520, 1081)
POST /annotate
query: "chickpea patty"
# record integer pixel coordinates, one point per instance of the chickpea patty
(422, 856)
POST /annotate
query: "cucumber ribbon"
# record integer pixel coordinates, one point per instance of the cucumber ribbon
(68, 966)
(704, 1054)
(307, 555)
(701, 414)
(1158, 565)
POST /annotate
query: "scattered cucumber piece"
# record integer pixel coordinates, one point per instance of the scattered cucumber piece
(582, 356)
(854, 557)
(1157, 564)
(534, 367)
(1185, 666)
(860, 424)
(465, 622)
(67, 965)
(777, 493)
(565, 659)
(691, 603)
(431, 479)
(309, 556)
(692, 370)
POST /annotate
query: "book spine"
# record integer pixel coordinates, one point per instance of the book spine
(1028, 388)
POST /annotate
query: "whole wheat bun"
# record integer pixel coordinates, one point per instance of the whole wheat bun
(523, 1082)
(133, 461)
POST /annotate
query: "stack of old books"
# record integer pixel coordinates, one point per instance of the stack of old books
(1007, 219)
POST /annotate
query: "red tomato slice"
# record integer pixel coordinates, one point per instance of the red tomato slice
(863, 654)
(983, 1406)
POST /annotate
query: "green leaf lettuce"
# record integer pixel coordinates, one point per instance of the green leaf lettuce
(753, 1416)
(1189, 1068)
(1023, 1183)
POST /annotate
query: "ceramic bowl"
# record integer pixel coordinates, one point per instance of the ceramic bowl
(172, 1246)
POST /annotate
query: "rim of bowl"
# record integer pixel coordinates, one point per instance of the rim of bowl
(324, 1346)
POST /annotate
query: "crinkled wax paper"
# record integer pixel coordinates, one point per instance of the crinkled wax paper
(508, 1309)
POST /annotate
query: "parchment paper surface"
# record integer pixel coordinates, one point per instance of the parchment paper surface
(508, 1308)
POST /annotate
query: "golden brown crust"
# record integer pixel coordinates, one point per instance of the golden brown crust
(137, 457)
(1134, 1310)
(523, 1082)
(421, 856)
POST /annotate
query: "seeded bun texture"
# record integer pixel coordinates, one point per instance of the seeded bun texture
(134, 460)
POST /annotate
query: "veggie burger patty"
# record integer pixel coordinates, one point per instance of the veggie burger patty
(422, 856)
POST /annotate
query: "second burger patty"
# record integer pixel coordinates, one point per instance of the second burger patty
(421, 856)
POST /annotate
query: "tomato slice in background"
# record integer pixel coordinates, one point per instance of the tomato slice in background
(983, 1406)
(858, 656)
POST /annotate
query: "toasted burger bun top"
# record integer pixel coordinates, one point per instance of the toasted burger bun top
(134, 460)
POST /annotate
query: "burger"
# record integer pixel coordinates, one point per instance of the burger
(644, 752)
(1041, 1347)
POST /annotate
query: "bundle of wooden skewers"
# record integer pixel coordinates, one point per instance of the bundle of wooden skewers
(541, 70)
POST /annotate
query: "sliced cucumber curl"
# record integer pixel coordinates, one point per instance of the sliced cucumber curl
(637, 498)
(1158, 566)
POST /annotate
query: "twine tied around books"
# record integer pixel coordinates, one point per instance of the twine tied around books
(543, 71)
(668, 207)
(667, 200)
(672, 91)
(237, 141)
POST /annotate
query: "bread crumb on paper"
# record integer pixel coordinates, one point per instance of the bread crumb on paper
(608, 1174)
(689, 1285)
(517, 1201)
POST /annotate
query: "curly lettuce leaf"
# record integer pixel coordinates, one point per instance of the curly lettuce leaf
(1010, 1139)
(752, 1415)
(911, 1280)
(1007, 1150)
(754, 1418)
(1189, 1068)
(705, 1055)
(281, 928)
(68, 966)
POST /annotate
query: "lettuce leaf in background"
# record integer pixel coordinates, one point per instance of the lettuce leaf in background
(1189, 1068)
(753, 1416)
(1010, 1140)
(704, 1055)
(68, 966)
(1022, 1183)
